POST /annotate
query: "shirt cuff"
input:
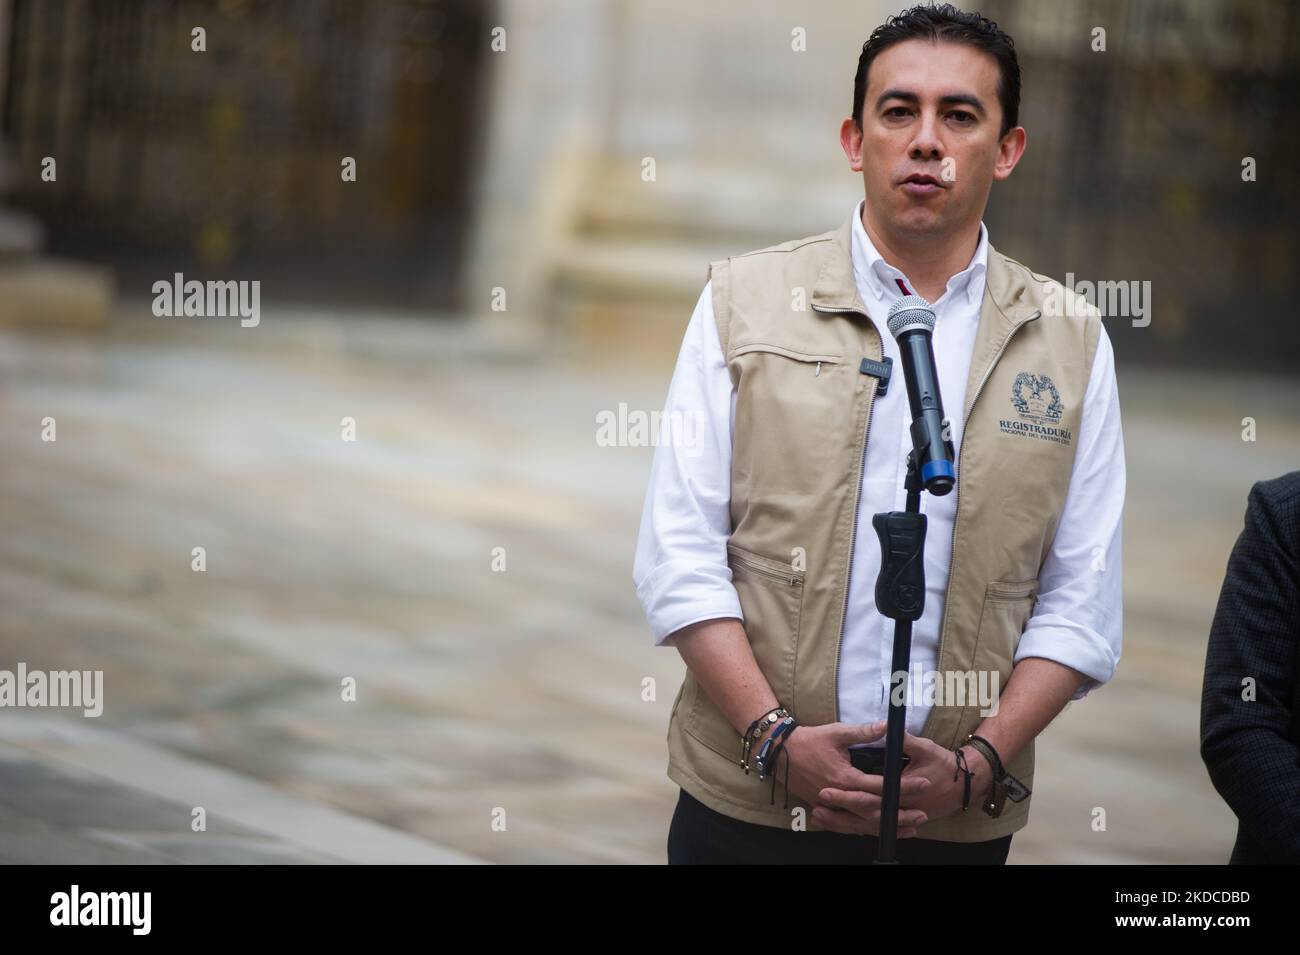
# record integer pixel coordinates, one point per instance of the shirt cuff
(682, 592)
(1055, 638)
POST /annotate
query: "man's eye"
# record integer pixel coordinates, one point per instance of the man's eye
(962, 116)
(897, 112)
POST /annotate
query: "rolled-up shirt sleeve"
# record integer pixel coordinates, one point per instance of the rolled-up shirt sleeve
(680, 570)
(1078, 619)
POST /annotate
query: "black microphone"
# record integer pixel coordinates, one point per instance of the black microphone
(911, 322)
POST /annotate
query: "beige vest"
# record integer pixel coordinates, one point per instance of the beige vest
(803, 412)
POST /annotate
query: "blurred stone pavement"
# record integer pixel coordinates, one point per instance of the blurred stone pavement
(499, 713)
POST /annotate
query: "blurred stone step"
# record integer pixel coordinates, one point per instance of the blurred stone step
(51, 293)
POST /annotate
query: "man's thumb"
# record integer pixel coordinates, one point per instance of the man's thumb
(864, 732)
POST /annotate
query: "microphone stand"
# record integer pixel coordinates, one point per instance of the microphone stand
(900, 595)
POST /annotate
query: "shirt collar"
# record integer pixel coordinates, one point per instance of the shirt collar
(876, 277)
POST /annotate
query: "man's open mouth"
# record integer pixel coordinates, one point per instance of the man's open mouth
(921, 185)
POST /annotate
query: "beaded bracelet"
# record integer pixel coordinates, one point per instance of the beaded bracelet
(756, 731)
(781, 729)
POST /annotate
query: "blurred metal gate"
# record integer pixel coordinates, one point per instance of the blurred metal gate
(230, 160)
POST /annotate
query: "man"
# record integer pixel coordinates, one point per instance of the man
(756, 557)
(1250, 704)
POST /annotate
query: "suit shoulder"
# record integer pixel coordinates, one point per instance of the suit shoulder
(1278, 497)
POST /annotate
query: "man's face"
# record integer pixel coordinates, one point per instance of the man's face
(931, 111)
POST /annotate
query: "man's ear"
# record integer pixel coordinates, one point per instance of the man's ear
(1010, 149)
(851, 143)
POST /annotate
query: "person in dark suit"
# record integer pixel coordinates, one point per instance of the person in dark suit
(1250, 701)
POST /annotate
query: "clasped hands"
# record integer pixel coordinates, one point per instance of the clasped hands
(844, 799)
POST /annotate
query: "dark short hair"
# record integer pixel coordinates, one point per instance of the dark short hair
(946, 22)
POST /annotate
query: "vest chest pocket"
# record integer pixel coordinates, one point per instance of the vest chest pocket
(795, 354)
(771, 597)
(792, 408)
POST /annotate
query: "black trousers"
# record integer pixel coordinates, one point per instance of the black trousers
(702, 836)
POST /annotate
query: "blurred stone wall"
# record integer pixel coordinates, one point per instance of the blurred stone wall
(1133, 171)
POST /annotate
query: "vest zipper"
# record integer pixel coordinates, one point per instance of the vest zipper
(952, 557)
(853, 536)
(791, 578)
(853, 539)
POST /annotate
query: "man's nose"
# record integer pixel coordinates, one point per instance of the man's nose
(927, 144)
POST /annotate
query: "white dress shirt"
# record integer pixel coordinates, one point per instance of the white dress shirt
(681, 571)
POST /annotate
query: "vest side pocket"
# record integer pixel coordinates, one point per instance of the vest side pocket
(1006, 610)
(771, 597)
